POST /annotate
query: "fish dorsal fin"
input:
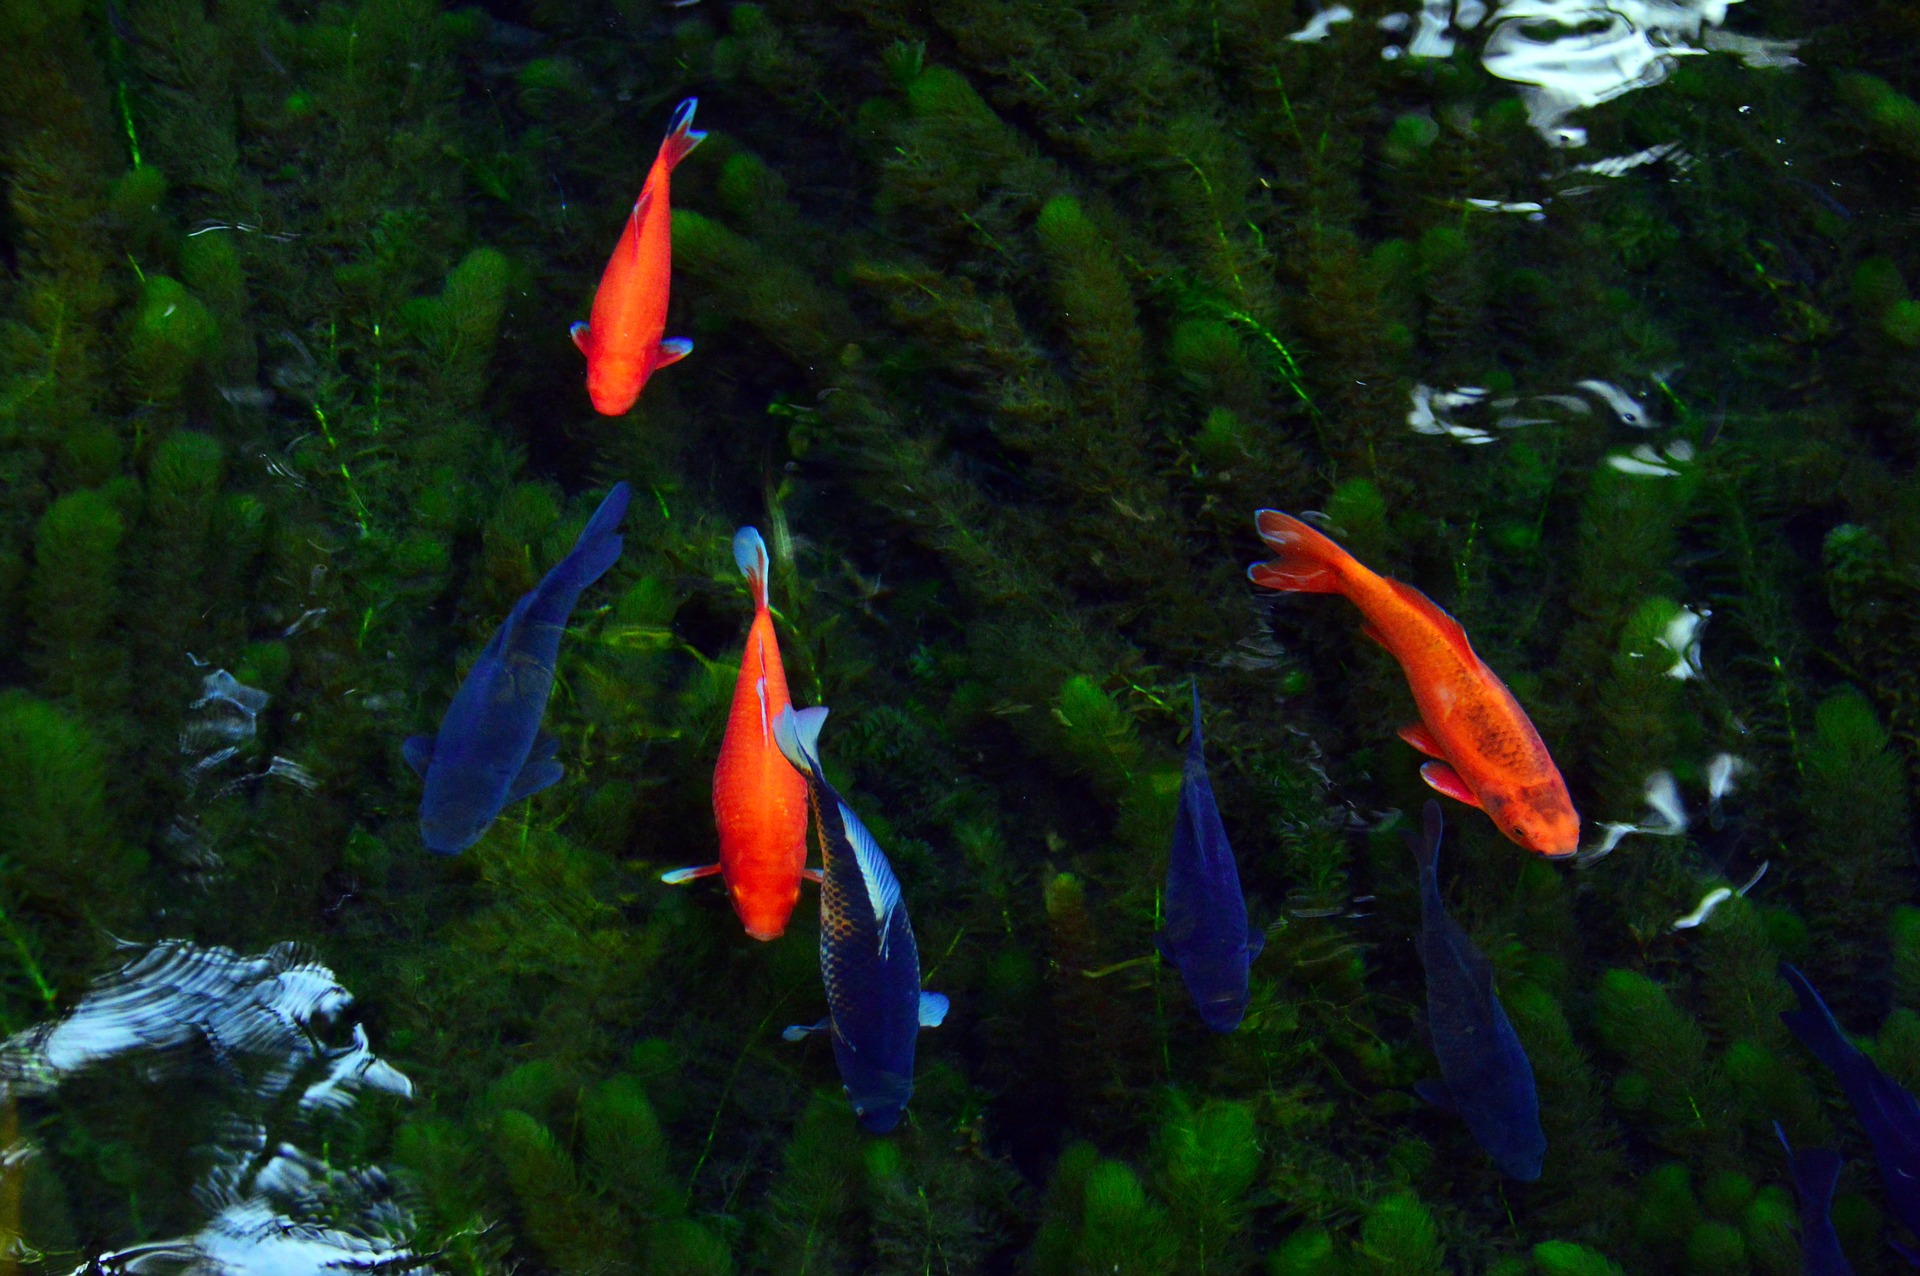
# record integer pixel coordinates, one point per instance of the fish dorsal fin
(797, 733)
(1447, 627)
(750, 556)
(760, 690)
(883, 888)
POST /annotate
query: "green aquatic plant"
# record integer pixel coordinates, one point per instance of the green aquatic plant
(172, 334)
(68, 872)
(73, 599)
(1674, 1082)
(1208, 1159)
(1643, 723)
(460, 326)
(1856, 802)
(1891, 116)
(1399, 1235)
(1100, 1219)
(1564, 1258)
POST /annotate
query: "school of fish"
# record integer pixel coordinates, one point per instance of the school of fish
(490, 752)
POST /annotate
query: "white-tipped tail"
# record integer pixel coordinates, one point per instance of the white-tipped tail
(797, 732)
(750, 553)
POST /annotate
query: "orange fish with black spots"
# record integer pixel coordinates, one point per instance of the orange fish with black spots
(622, 341)
(1485, 750)
(759, 800)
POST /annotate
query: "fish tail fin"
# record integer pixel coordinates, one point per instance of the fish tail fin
(600, 543)
(1426, 843)
(1308, 562)
(797, 732)
(1815, 1027)
(681, 135)
(1816, 1171)
(750, 555)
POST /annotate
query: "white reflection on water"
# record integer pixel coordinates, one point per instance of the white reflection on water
(267, 1007)
(1442, 412)
(266, 1019)
(1569, 55)
(278, 1214)
(1321, 24)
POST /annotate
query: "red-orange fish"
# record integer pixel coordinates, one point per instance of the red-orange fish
(1487, 753)
(623, 342)
(759, 800)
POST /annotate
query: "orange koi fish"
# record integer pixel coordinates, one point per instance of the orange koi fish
(1486, 752)
(759, 800)
(622, 342)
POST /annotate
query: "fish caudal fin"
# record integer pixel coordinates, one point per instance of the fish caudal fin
(1308, 562)
(681, 135)
(797, 732)
(1815, 1026)
(1426, 843)
(750, 556)
(600, 544)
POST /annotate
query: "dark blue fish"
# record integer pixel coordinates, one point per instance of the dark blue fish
(1484, 1073)
(489, 751)
(1206, 931)
(1815, 1172)
(868, 959)
(1886, 1111)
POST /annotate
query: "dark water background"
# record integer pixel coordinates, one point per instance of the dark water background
(1592, 322)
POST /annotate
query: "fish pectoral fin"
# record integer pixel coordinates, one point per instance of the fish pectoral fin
(1444, 780)
(1435, 1091)
(1417, 735)
(933, 1009)
(533, 777)
(1256, 942)
(544, 747)
(801, 1031)
(1368, 631)
(814, 875)
(681, 876)
(581, 332)
(672, 350)
(418, 751)
(1161, 946)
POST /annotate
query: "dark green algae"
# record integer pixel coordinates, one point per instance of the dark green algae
(1006, 319)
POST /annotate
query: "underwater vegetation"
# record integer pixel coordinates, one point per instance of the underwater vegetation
(1009, 316)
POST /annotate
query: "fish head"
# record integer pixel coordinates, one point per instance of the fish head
(1224, 1013)
(762, 909)
(1219, 991)
(879, 1098)
(449, 830)
(1539, 818)
(614, 383)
